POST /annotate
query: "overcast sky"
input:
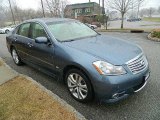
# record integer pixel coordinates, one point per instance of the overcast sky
(35, 3)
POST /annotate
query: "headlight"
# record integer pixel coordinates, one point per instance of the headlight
(105, 68)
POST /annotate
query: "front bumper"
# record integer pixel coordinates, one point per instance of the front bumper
(115, 88)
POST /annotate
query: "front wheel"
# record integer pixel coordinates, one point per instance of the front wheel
(79, 86)
(15, 57)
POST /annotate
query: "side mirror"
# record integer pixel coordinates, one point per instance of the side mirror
(41, 40)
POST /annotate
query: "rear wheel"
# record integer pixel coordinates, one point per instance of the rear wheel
(79, 86)
(15, 57)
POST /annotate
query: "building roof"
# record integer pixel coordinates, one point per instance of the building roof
(82, 5)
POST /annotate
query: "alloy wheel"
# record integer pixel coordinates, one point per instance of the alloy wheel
(77, 86)
(15, 56)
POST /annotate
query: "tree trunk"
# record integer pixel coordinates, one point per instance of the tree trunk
(42, 8)
(122, 21)
(138, 10)
(12, 12)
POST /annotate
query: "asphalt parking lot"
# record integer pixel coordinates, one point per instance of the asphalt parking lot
(136, 25)
(144, 105)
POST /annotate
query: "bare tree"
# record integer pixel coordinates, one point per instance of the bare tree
(11, 11)
(123, 6)
(16, 11)
(55, 7)
(2, 14)
(68, 11)
(63, 6)
(143, 12)
(42, 8)
(140, 2)
(150, 11)
(158, 10)
(49, 8)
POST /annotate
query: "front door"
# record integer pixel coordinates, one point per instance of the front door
(40, 54)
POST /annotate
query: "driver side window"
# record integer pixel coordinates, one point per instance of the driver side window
(37, 31)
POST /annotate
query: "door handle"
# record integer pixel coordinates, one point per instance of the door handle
(15, 39)
(30, 44)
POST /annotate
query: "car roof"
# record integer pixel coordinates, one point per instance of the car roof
(48, 20)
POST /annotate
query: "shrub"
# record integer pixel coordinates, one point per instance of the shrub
(137, 31)
(156, 33)
(99, 18)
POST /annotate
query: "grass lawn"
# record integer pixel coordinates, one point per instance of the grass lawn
(151, 19)
(1, 63)
(20, 99)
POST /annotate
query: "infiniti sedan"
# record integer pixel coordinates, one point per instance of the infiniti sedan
(93, 66)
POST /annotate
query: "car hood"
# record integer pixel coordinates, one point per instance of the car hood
(112, 50)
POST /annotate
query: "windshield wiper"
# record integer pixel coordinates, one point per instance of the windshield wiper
(69, 40)
(80, 38)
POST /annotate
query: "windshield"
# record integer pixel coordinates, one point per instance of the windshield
(67, 31)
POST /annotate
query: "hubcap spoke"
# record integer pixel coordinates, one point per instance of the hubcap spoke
(74, 90)
(71, 79)
(82, 89)
(80, 95)
(83, 86)
(72, 86)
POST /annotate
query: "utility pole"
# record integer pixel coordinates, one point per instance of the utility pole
(99, 7)
(103, 11)
(11, 11)
(42, 8)
(139, 3)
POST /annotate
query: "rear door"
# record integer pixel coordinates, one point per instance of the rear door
(21, 40)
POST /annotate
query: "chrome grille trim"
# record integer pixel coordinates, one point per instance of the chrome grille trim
(137, 64)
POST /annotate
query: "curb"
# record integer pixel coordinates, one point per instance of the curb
(57, 98)
(4, 64)
(6, 72)
(153, 38)
(120, 31)
(78, 115)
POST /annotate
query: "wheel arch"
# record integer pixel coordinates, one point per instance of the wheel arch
(11, 47)
(82, 69)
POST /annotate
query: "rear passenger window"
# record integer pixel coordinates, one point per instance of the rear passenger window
(24, 29)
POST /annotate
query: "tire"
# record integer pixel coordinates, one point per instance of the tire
(79, 86)
(7, 31)
(16, 58)
(92, 27)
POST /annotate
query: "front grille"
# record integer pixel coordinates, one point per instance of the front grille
(138, 64)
